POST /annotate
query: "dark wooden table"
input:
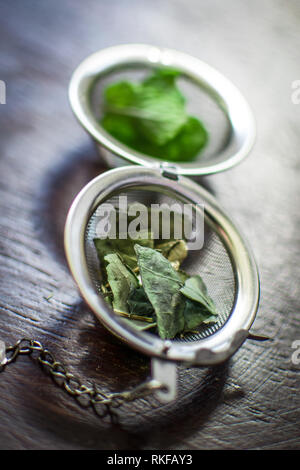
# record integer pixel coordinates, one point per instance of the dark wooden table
(253, 401)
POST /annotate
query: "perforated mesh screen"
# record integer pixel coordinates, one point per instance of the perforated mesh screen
(212, 262)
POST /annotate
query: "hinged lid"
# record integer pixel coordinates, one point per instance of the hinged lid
(221, 90)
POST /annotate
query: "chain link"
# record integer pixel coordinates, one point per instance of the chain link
(88, 395)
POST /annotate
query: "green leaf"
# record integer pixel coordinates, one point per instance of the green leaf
(151, 117)
(174, 250)
(120, 94)
(160, 110)
(188, 143)
(191, 139)
(121, 281)
(139, 303)
(195, 289)
(156, 106)
(122, 247)
(164, 75)
(162, 286)
(121, 127)
(195, 314)
(139, 325)
(107, 294)
(183, 275)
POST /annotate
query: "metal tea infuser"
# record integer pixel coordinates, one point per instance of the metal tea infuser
(225, 261)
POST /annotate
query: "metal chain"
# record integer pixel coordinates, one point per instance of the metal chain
(88, 395)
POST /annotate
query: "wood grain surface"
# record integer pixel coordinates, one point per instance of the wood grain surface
(251, 402)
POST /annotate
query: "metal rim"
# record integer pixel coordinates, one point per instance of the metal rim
(227, 96)
(213, 349)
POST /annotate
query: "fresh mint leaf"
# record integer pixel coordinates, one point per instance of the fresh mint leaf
(187, 144)
(156, 107)
(120, 94)
(151, 117)
(122, 128)
(161, 111)
(163, 76)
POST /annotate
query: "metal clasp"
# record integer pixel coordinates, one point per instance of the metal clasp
(165, 373)
(169, 170)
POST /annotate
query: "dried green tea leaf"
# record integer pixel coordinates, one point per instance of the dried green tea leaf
(175, 265)
(139, 303)
(107, 294)
(122, 247)
(174, 250)
(195, 314)
(138, 321)
(132, 316)
(195, 289)
(121, 281)
(139, 325)
(162, 286)
(183, 275)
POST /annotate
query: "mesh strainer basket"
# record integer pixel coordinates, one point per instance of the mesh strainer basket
(224, 261)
